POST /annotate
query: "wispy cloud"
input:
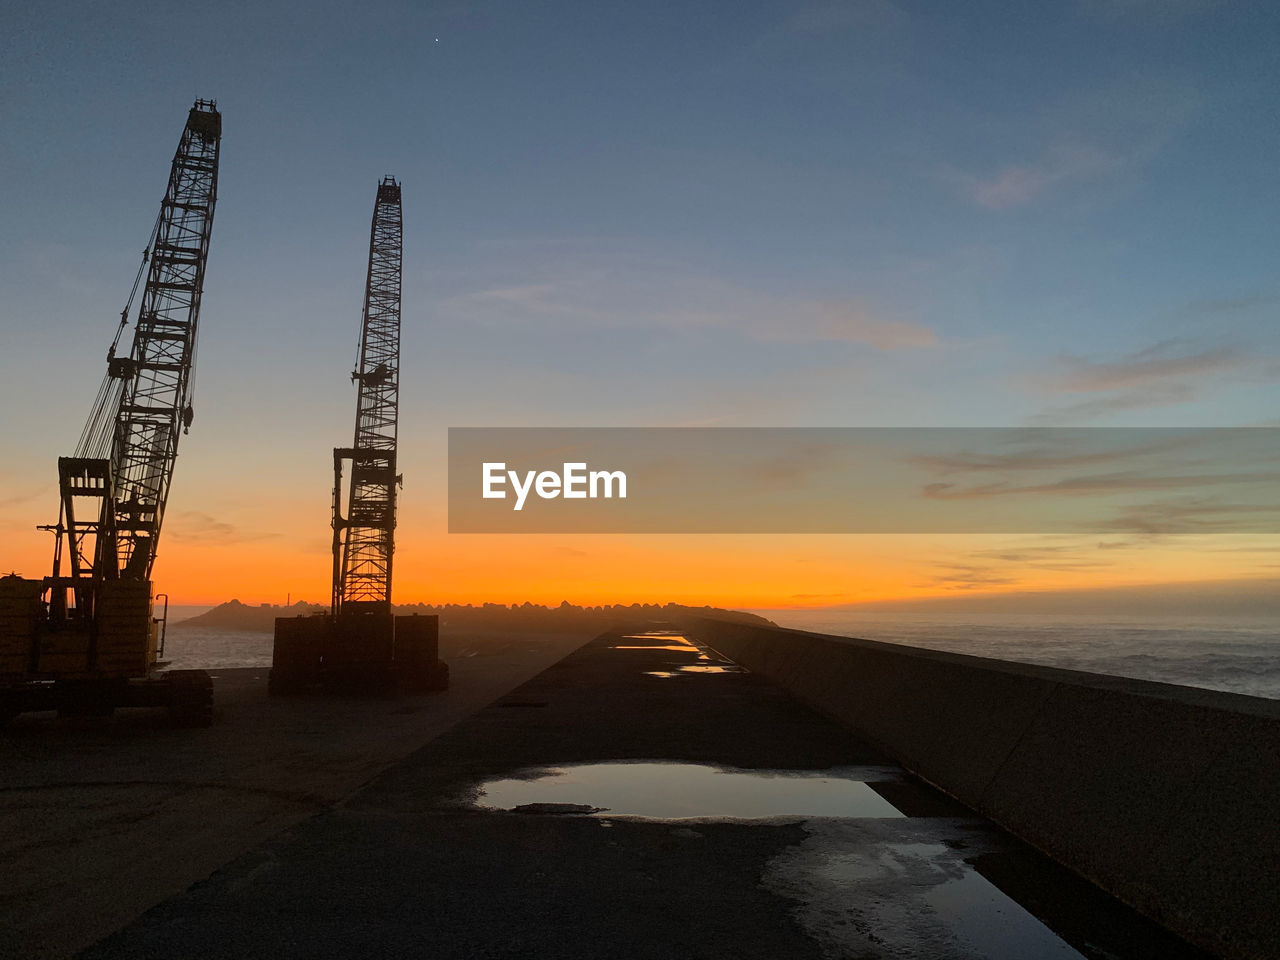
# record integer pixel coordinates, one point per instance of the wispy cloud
(1159, 363)
(1168, 372)
(961, 576)
(1097, 484)
(607, 300)
(1048, 457)
(27, 496)
(1060, 558)
(193, 526)
(838, 322)
(1017, 184)
(538, 298)
(796, 466)
(1163, 395)
(1193, 515)
(1094, 135)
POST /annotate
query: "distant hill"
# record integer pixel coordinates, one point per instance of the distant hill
(234, 615)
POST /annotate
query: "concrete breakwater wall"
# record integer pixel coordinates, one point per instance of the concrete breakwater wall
(1167, 797)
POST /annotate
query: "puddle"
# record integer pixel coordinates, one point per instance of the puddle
(991, 923)
(698, 668)
(663, 642)
(860, 887)
(675, 791)
(685, 649)
(678, 643)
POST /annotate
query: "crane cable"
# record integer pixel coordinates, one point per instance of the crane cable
(96, 436)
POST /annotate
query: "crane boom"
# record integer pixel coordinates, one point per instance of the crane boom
(126, 454)
(155, 404)
(363, 540)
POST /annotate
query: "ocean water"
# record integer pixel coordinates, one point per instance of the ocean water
(1218, 653)
(1235, 655)
(196, 648)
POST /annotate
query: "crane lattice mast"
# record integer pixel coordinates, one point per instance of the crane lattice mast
(363, 540)
(363, 647)
(126, 454)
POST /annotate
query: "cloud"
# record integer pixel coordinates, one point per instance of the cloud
(540, 298)
(1193, 515)
(1168, 372)
(1098, 484)
(1095, 133)
(1015, 185)
(31, 495)
(192, 526)
(621, 299)
(1118, 544)
(1042, 458)
(1155, 364)
(1162, 396)
(796, 465)
(1058, 558)
(960, 576)
(838, 322)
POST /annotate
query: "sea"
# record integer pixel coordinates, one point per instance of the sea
(204, 648)
(1234, 654)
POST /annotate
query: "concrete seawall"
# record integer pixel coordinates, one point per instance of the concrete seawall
(1167, 797)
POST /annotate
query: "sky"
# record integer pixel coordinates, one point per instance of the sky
(859, 213)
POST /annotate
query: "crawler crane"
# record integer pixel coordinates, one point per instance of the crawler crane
(360, 646)
(85, 639)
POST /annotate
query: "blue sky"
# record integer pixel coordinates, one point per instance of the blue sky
(737, 214)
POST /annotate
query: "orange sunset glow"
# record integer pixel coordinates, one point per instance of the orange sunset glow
(773, 571)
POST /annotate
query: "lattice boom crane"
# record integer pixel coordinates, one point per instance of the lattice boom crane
(363, 540)
(89, 627)
(362, 646)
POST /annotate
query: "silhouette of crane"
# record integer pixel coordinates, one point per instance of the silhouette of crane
(363, 540)
(90, 626)
(361, 646)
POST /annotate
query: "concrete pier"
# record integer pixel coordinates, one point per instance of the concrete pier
(99, 820)
(1165, 796)
(642, 798)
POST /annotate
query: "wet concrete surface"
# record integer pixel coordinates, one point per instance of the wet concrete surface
(415, 865)
(102, 819)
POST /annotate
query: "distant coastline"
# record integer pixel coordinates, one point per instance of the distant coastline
(234, 615)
